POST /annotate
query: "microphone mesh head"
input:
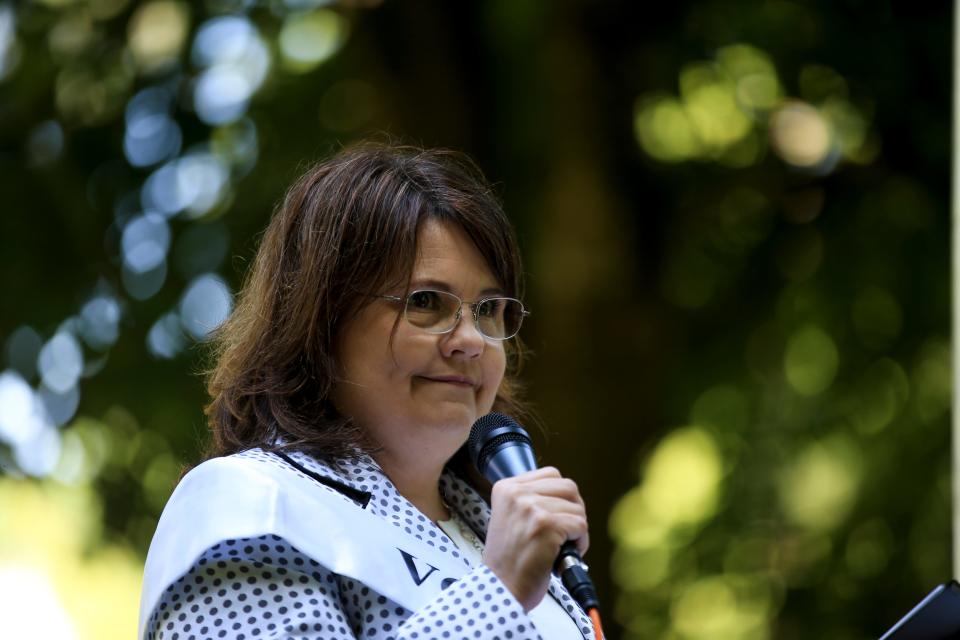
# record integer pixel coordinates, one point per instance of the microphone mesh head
(483, 442)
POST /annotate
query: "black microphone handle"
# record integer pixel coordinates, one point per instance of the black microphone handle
(573, 573)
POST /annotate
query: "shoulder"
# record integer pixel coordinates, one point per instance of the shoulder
(256, 464)
(253, 473)
(242, 496)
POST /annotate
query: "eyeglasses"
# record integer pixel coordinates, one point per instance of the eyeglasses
(439, 312)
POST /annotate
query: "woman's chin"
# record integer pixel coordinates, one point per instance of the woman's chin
(455, 411)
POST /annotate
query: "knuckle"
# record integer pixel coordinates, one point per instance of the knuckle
(540, 519)
(577, 527)
(528, 505)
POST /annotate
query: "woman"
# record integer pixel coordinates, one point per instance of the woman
(374, 329)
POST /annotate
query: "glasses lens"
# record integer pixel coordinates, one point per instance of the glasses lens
(435, 311)
(499, 318)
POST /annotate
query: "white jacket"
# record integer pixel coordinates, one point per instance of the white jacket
(255, 546)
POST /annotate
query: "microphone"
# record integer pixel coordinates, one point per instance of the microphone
(500, 448)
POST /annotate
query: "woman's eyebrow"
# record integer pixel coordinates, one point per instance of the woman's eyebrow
(429, 283)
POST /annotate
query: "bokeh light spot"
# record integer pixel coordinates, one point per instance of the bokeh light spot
(91, 95)
(754, 76)
(60, 407)
(39, 455)
(143, 285)
(45, 144)
(682, 478)
(223, 39)
(819, 487)
(22, 415)
(849, 128)
(32, 608)
(60, 362)
(165, 338)
(643, 568)
(811, 361)
(236, 145)
(10, 49)
(150, 138)
(71, 34)
(56, 533)
(159, 478)
(800, 135)
(221, 95)
(202, 182)
(307, 39)
(157, 32)
(879, 396)
(22, 348)
(724, 606)
(99, 324)
(194, 184)
(205, 305)
(145, 242)
(237, 62)
(664, 130)
(87, 449)
(710, 102)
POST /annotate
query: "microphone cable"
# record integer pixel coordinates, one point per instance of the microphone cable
(594, 614)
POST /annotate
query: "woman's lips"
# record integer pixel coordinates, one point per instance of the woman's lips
(460, 381)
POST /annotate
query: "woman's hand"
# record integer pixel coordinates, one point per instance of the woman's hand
(533, 514)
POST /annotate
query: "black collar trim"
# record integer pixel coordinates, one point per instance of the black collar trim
(360, 497)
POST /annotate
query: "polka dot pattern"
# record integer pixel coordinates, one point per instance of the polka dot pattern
(264, 587)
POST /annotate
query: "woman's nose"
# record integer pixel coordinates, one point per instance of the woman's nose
(465, 339)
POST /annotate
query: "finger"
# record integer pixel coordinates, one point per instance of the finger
(573, 528)
(577, 531)
(517, 485)
(536, 474)
(556, 487)
(570, 523)
(583, 544)
(536, 504)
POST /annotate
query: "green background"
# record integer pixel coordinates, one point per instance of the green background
(734, 218)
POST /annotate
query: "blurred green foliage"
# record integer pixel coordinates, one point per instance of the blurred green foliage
(735, 221)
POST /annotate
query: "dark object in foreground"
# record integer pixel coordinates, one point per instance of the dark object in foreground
(937, 617)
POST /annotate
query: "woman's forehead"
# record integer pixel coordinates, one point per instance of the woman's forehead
(447, 255)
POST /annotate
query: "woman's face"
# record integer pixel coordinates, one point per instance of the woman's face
(418, 394)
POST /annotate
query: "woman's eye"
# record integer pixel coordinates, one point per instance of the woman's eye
(424, 300)
(490, 308)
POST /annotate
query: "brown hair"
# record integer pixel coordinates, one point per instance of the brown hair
(343, 230)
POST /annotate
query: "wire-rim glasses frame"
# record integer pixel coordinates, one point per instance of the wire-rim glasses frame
(443, 316)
